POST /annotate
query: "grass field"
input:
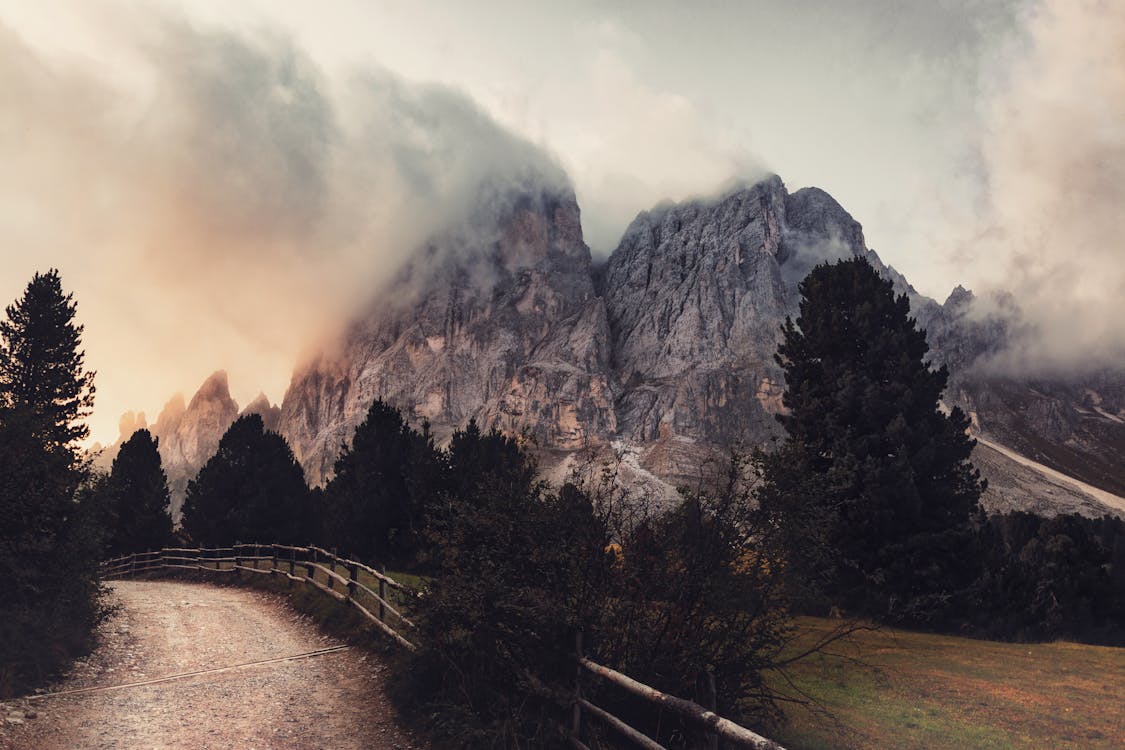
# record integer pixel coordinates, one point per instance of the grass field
(915, 690)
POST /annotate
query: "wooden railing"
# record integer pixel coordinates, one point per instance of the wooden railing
(301, 564)
(714, 726)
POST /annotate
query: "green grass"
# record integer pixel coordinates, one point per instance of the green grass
(897, 689)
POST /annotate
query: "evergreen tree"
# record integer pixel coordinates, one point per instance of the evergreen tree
(49, 543)
(139, 497)
(41, 364)
(895, 484)
(252, 489)
(376, 499)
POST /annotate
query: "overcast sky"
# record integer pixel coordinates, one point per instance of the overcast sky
(218, 181)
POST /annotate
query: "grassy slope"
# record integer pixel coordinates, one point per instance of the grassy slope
(917, 690)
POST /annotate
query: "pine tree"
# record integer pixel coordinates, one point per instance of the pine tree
(49, 542)
(381, 483)
(251, 490)
(864, 417)
(138, 488)
(41, 362)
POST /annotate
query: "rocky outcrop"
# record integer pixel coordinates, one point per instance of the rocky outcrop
(495, 320)
(189, 435)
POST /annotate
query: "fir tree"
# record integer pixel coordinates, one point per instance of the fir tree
(41, 362)
(381, 484)
(138, 488)
(49, 542)
(893, 477)
(251, 490)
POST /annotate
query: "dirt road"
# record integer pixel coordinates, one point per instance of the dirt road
(333, 700)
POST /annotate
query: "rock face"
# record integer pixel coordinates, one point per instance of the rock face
(495, 321)
(189, 435)
(695, 296)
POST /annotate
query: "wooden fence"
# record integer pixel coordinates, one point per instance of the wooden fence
(714, 726)
(302, 564)
(343, 579)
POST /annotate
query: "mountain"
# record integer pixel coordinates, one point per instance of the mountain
(496, 320)
(695, 295)
(660, 359)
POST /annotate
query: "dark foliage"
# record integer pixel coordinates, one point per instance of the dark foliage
(515, 568)
(677, 601)
(897, 492)
(1048, 578)
(376, 501)
(49, 541)
(252, 489)
(698, 594)
(137, 498)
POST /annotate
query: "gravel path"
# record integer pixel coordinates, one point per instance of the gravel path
(333, 701)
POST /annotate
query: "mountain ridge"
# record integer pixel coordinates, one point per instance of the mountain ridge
(663, 353)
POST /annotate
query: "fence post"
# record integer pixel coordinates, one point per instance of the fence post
(576, 713)
(237, 559)
(309, 569)
(353, 576)
(132, 564)
(710, 702)
(332, 567)
(292, 560)
(273, 558)
(382, 593)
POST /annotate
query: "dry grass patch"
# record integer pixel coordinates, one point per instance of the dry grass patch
(897, 689)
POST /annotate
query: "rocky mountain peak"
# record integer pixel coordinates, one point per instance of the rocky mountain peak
(494, 319)
(270, 413)
(215, 390)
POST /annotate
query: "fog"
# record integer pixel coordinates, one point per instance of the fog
(222, 184)
(1052, 224)
(238, 210)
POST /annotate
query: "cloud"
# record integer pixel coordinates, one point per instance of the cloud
(230, 203)
(1053, 157)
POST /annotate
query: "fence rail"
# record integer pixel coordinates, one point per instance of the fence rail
(302, 564)
(714, 726)
(341, 576)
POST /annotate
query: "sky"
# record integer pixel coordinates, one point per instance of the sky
(222, 183)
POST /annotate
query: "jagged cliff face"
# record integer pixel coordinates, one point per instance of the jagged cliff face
(670, 359)
(189, 435)
(496, 322)
(695, 294)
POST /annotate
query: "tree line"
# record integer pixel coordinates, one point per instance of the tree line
(868, 509)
